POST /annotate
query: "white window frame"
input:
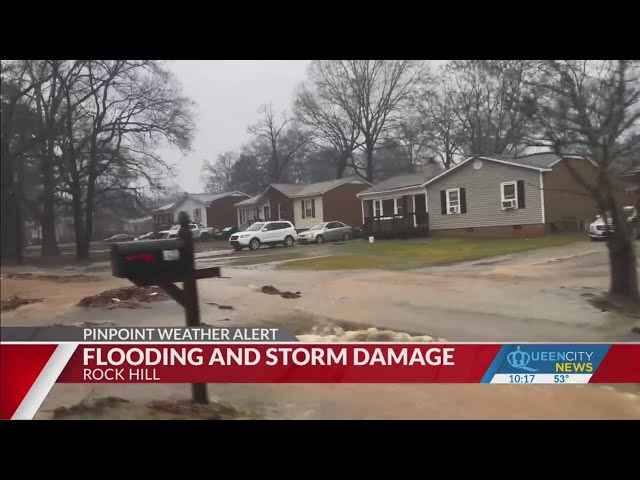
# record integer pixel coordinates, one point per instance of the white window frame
(308, 209)
(198, 217)
(515, 195)
(377, 208)
(396, 201)
(449, 206)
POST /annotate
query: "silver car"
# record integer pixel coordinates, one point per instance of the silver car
(326, 232)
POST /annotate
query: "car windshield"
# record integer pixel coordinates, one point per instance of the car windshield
(227, 229)
(319, 226)
(175, 227)
(255, 227)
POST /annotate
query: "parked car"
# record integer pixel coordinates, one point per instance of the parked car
(225, 233)
(599, 229)
(326, 232)
(121, 237)
(199, 232)
(264, 233)
(149, 236)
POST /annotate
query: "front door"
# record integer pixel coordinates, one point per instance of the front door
(267, 213)
(421, 209)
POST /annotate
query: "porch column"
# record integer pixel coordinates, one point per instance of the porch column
(415, 214)
(362, 206)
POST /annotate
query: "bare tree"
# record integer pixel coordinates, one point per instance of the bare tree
(593, 107)
(488, 97)
(410, 138)
(118, 112)
(218, 175)
(444, 131)
(330, 128)
(279, 139)
(370, 93)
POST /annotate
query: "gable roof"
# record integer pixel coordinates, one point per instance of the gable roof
(207, 198)
(405, 181)
(321, 188)
(515, 162)
(249, 201)
(396, 183)
(297, 190)
(165, 207)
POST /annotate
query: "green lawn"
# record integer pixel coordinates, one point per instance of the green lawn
(407, 254)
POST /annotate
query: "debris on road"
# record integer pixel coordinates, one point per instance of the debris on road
(80, 277)
(221, 307)
(192, 410)
(85, 324)
(338, 334)
(126, 297)
(90, 406)
(271, 290)
(14, 302)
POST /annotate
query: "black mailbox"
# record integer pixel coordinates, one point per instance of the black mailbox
(149, 259)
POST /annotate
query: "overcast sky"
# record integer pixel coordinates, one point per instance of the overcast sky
(228, 94)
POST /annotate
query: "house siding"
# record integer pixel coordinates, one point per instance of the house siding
(188, 205)
(568, 204)
(342, 204)
(275, 197)
(221, 213)
(304, 223)
(484, 208)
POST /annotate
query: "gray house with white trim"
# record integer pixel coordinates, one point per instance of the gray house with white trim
(524, 196)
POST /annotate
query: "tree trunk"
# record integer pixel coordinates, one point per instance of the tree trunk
(7, 213)
(82, 250)
(622, 255)
(342, 165)
(48, 220)
(369, 152)
(19, 225)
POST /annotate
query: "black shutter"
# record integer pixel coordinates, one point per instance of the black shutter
(443, 202)
(303, 212)
(463, 200)
(521, 203)
(313, 207)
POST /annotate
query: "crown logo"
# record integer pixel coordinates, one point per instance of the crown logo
(520, 360)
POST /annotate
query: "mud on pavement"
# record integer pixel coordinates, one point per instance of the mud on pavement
(125, 297)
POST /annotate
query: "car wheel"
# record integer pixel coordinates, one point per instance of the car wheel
(319, 239)
(346, 237)
(204, 237)
(254, 244)
(288, 241)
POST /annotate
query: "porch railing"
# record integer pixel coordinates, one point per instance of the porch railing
(397, 225)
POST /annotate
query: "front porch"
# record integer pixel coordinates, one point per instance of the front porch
(396, 217)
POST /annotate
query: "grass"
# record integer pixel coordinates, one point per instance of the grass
(260, 259)
(406, 254)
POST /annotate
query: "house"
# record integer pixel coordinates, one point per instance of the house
(304, 205)
(398, 205)
(525, 196)
(631, 181)
(137, 226)
(209, 209)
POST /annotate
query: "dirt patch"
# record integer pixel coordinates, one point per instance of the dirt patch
(608, 303)
(126, 297)
(89, 407)
(221, 307)
(116, 408)
(14, 302)
(271, 290)
(338, 334)
(81, 277)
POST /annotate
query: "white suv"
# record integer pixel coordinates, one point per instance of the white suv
(264, 233)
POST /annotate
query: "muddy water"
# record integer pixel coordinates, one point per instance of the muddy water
(535, 297)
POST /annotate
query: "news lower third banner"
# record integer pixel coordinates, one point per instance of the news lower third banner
(32, 360)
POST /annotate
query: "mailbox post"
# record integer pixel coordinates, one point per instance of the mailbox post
(165, 263)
